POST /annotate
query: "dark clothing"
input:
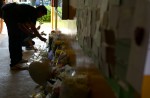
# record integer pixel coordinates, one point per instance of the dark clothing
(15, 47)
(1, 4)
(27, 13)
(13, 14)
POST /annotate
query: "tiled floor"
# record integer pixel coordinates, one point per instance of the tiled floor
(18, 84)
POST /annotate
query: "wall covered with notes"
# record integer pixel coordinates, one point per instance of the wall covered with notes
(108, 31)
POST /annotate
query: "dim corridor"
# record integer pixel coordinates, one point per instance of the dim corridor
(18, 84)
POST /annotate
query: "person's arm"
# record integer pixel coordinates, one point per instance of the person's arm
(25, 28)
(33, 28)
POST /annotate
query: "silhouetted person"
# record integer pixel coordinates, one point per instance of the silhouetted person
(20, 20)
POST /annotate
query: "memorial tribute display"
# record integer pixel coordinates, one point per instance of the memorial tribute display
(52, 68)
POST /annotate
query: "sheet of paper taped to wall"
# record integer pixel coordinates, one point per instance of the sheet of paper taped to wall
(88, 22)
(126, 16)
(93, 22)
(80, 4)
(104, 6)
(104, 21)
(115, 2)
(97, 36)
(113, 17)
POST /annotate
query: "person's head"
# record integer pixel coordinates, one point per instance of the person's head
(41, 10)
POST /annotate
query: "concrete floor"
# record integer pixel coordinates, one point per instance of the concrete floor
(13, 84)
(18, 84)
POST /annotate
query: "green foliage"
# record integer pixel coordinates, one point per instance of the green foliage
(59, 10)
(46, 18)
